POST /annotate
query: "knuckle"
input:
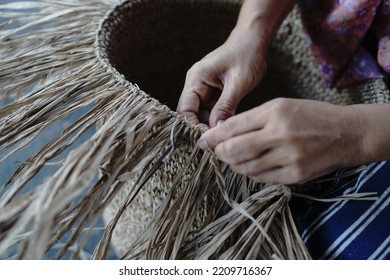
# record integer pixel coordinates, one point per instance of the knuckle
(279, 109)
(197, 87)
(281, 106)
(281, 102)
(231, 126)
(195, 74)
(195, 69)
(226, 108)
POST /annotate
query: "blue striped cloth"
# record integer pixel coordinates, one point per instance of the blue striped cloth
(348, 229)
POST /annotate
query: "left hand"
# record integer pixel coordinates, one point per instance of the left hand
(288, 140)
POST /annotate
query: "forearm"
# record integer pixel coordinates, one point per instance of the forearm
(261, 18)
(374, 126)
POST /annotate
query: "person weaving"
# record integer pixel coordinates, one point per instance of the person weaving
(293, 141)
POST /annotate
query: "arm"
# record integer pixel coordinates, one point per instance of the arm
(261, 18)
(216, 84)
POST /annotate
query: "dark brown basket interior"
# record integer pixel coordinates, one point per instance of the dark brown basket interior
(154, 43)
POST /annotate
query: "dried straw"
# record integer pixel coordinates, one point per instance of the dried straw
(54, 60)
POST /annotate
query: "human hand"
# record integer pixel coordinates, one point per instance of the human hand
(216, 84)
(288, 140)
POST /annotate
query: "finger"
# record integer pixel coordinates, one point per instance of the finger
(243, 148)
(282, 175)
(206, 107)
(288, 173)
(203, 126)
(248, 121)
(189, 105)
(195, 93)
(227, 103)
(204, 116)
(271, 159)
(191, 117)
(278, 175)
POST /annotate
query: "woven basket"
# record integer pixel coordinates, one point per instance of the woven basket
(124, 63)
(154, 43)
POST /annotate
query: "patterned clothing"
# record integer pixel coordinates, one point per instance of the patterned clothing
(348, 229)
(350, 39)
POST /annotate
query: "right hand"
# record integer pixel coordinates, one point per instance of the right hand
(216, 84)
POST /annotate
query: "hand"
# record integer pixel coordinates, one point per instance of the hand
(215, 85)
(288, 140)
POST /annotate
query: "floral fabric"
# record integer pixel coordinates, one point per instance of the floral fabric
(350, 39)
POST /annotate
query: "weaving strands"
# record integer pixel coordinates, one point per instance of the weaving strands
(161, 197)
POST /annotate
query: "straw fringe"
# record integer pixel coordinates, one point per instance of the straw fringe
(51, 72)
(64, 81)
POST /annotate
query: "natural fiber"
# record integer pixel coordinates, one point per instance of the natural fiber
(161, 196)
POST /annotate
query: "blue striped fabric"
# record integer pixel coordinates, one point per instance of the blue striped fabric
(349, 229)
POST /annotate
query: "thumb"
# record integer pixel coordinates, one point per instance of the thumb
(227, 104)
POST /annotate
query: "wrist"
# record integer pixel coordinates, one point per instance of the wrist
(261, 19)
(355, 130)
(249, 37)
(374, 132)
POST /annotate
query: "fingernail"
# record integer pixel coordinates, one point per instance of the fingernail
(202, 143)
(219, 122)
